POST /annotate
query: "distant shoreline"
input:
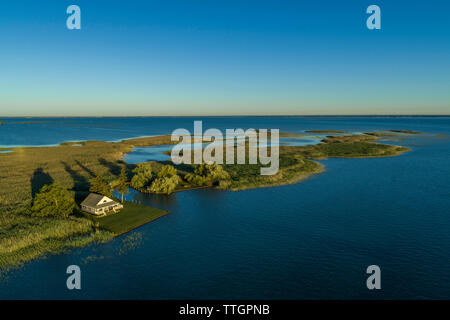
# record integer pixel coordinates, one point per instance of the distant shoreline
(244, 115)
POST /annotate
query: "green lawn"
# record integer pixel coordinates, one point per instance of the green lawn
(132, 216)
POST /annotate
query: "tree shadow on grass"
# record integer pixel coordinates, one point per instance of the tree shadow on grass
(80, 183)
(113, 167)
(82, 166)
(38, 180)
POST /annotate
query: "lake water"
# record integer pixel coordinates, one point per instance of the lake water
(311, 240)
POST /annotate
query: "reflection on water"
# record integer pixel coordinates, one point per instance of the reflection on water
(154, 200)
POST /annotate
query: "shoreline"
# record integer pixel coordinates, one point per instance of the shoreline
(72, 167)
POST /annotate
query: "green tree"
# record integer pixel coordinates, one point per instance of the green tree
(53, 200)
(216, 172)
(101, 186)
(164, 185)
(195, 180)
(138, 181)
(142, 175)
(122, 183)
(167, 180)
(207, 174)
(167, 171)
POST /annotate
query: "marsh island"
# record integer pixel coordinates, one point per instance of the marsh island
(80, 167)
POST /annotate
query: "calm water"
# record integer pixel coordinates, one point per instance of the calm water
(309, 240)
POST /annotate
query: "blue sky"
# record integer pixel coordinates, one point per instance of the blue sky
(224, 57)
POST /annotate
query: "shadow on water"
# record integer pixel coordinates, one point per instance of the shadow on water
(80, 183)
(38, 180)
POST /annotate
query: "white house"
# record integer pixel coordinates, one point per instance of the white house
(98, 204)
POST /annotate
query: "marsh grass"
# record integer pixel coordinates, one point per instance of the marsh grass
(130, 243)
(296, 162)
(92, 258)
(23, 238)
(24, 171)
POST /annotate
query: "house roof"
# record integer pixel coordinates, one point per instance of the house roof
(93, 200)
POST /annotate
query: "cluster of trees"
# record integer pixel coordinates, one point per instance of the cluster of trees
(207, 174)
(163, 181)
(166, 180)
(100, 185)
(53, 201)
(143, 175)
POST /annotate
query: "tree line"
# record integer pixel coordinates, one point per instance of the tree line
(55, 200)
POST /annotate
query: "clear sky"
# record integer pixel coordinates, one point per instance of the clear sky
(214, 57)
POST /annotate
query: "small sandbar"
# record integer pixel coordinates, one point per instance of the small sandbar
(405, 131)
(73, 144)
(326, 131)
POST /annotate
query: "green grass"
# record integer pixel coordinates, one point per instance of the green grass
(359, 149)
(133, 215)
(292, 169)
(351, 146)
(25, 170)
(23, 238)
(296, 161)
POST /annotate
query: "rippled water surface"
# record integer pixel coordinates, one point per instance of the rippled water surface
(309, 240)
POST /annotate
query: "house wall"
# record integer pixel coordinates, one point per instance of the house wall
(88, 209)
(91, 210)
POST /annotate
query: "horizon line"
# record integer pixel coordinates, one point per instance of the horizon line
(235, 115)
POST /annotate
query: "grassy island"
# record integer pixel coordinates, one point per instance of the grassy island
(296, 162)
(392, 133)
(406, 131)
(326, 131)
(24, 172)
